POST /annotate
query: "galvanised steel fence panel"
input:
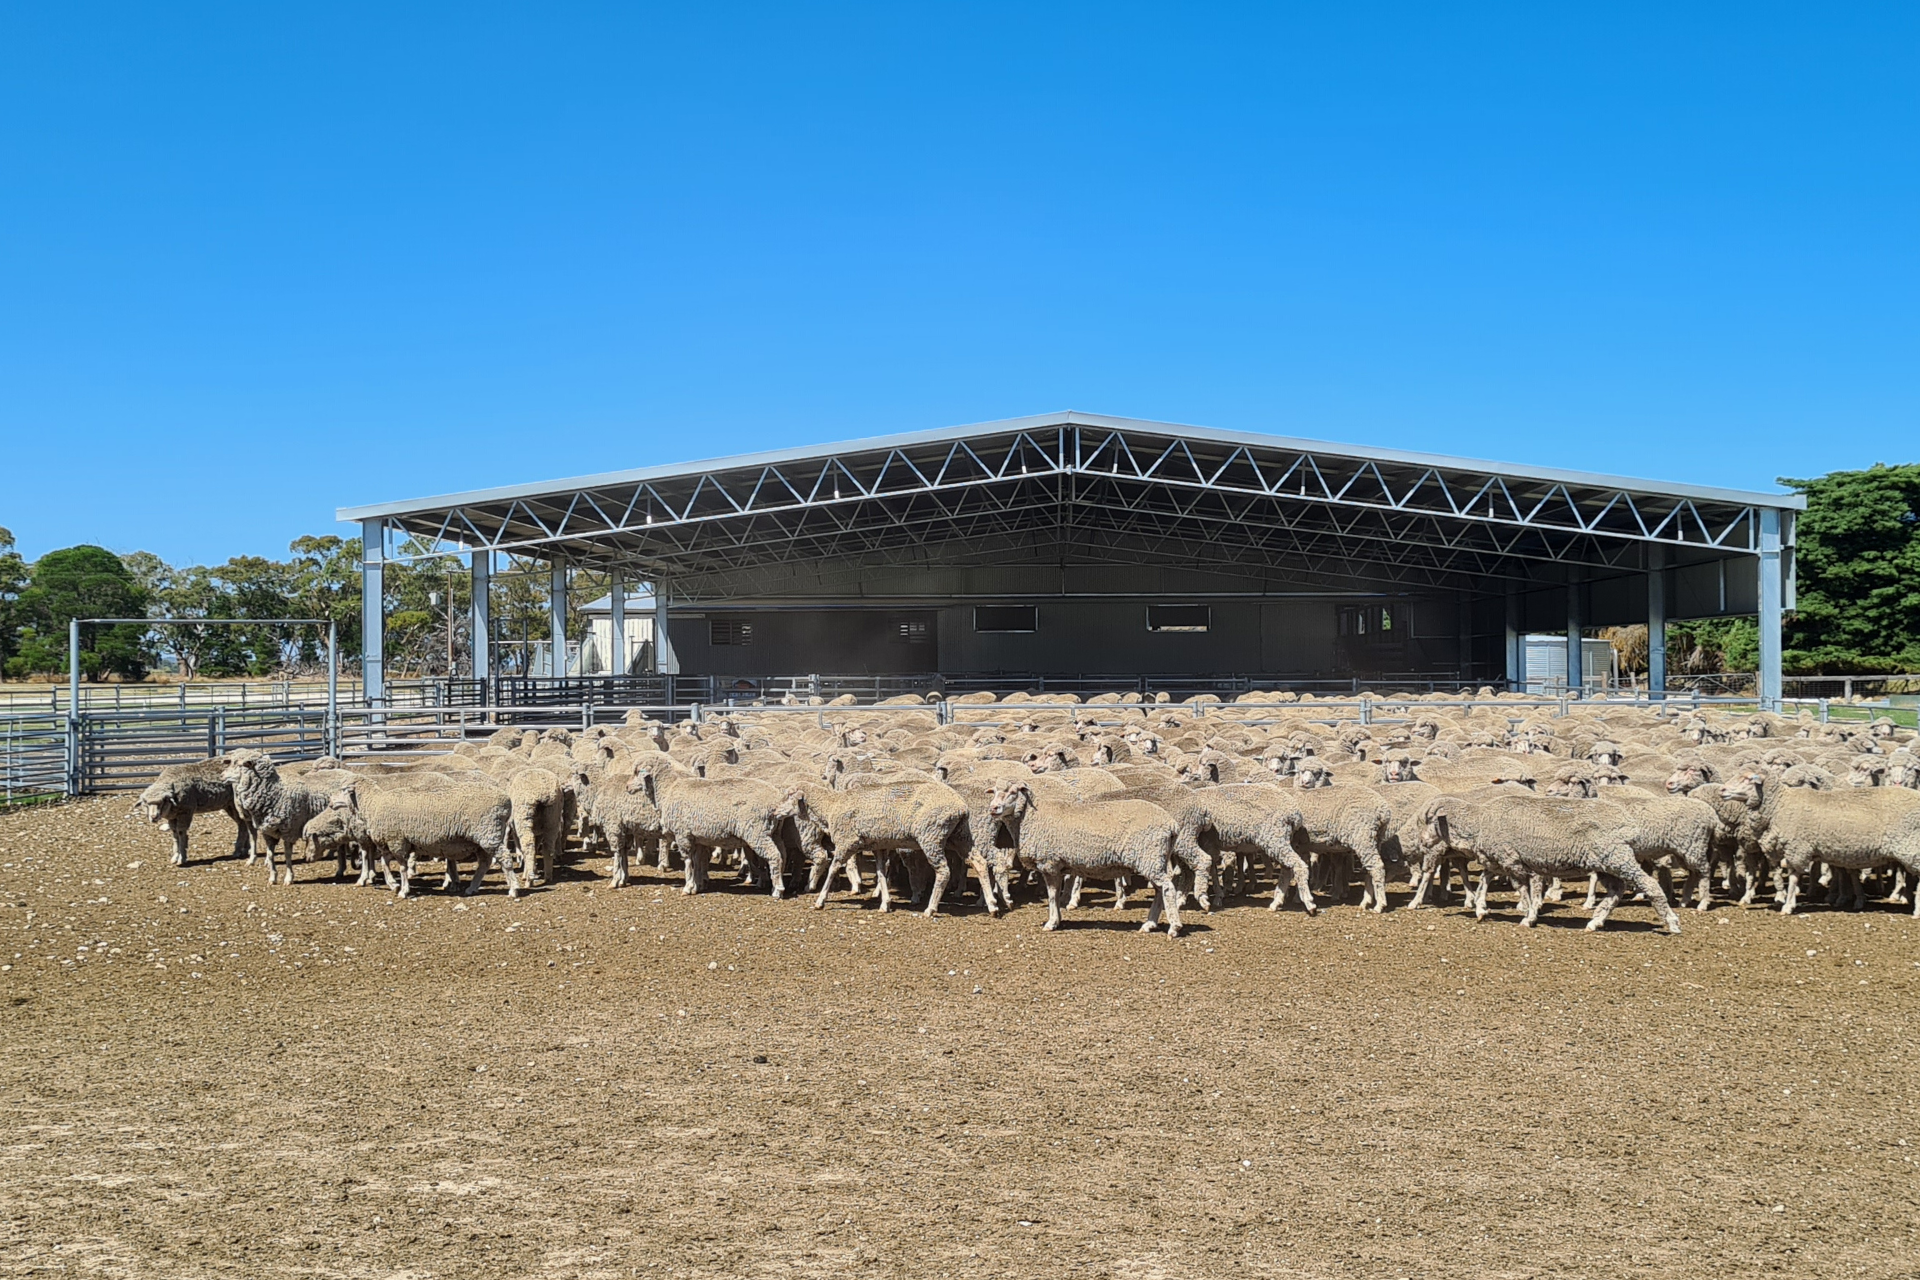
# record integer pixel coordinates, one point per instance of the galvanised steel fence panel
(33, 758)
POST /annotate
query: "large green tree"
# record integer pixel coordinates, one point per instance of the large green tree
(14, 577)
(82, 582)
(1858, 562)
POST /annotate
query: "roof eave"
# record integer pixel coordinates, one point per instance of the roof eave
(774, 457)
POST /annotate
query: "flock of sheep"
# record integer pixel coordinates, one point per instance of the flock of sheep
(1196, 802)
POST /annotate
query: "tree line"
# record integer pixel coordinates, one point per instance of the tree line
(428, 610)
(1858, 607)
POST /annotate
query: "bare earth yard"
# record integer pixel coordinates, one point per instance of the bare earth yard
(201, 1075)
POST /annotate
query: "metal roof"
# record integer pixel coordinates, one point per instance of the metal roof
(1077, 488)
(772, 457)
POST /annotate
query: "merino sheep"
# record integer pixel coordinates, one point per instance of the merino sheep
(702, 815)
(1095, 839)
(278, 808)
(915, 818)
(180, 791)
(460, 819)
(1855, 829)
(1528, 838)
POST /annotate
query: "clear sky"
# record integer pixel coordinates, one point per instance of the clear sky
(263, 260)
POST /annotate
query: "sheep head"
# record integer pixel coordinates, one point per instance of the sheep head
(1399, 767)
(1311, 774)
(1868, 771)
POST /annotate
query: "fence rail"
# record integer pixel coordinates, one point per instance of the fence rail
(46, 753)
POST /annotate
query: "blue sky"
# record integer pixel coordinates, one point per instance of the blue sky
(263, 260)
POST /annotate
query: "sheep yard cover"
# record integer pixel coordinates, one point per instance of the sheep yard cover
(207, 1076)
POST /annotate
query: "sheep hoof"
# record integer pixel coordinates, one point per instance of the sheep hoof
(1172, 932)
(1594, 924)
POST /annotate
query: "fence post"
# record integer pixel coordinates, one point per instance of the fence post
(1823, 710)
(1366, 711)
(586, 717)
(693, 712)
(73, 753)
(217, 731)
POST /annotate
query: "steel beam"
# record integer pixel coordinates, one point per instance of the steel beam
(373, 611)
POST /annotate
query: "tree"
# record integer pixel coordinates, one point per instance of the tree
(84, 582)
(14, 577)
(1858, 572)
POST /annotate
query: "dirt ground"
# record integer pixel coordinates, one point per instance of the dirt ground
(202, 1075)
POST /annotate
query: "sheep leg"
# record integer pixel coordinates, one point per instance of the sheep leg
(1593, 890)
(407, 870)
(621, 839)
(1703, 889)
(1052, 877)
(1166, 897)
(693, 860)
(1291, 868)
(769, 851)
(941, 874)
(180, 823)
(1121, 884)
(1073, 899)
(1375, 897)
(1557, 891)
(1480, 899)
(1792, 898)
(1615, 889)
(1422, 876)
(1533, 896)
(983, 873)
(840, 857)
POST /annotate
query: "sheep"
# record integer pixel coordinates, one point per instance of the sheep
(911, 817)
(1528, 838)
(278, 808)
(1343, 821)
(449, 822)
(180, 791)
(704, 814)
(1098, 839)
(1854, 829)
(538, 799)
(1237, 819)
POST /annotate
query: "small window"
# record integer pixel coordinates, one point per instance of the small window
(912, 633)
(1179, 617)
(1006, 617)
(723, 631)
(1371, 624)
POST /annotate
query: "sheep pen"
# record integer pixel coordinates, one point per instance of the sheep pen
(208, 1074)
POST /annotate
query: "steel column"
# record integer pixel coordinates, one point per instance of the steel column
(1770, 604)
(481, 624)
(1515, 643)
(1463, 615)
(557, 616)
(1576, 655)
(664, 661)
(373, 608)
(617, 626)
(1657, 622)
